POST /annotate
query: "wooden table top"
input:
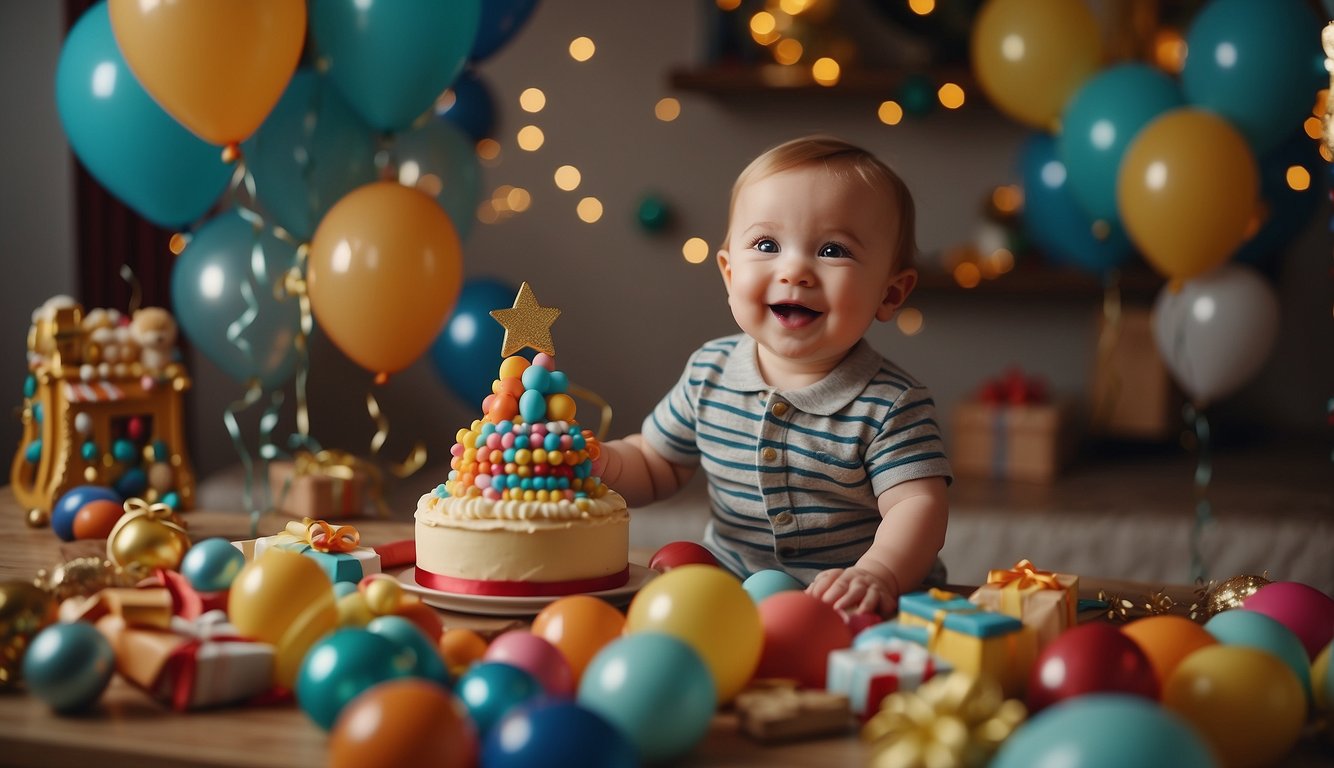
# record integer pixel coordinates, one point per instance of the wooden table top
(127, 728)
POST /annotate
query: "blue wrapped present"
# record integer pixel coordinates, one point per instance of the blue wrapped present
(336, 548)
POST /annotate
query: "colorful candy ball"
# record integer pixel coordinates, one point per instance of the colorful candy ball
(460, 647)
(489, 690)
(403, 722)
(579, 626)
(212, 565)
(69, 665)
(1090, 658)
(800, 631)
(342, 665)
(537, 656)
(1303, 609)
(679, 553)
(558, 734)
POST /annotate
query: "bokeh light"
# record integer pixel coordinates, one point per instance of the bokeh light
(532, 100)
(667, 109)
(582, 48)
(589, 209)
(568, 177)
(951, 95)
(518, 200)
(788, 51)
(890, 113)
(967, 274)
(826, 71)
(695, 250)
(530, 138)
(177, 243)
(728, 5)
(488, 150)
(1299, 179)
(1169, 50)
(1007, 199)
(910, 321)
(922, 7)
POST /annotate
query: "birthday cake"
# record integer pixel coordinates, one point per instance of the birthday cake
(522, 513)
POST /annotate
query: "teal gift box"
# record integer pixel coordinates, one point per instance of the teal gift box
(974, 640)
(353, 565)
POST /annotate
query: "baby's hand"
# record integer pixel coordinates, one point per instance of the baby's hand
(855, 590)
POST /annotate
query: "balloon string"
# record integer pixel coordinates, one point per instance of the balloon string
(295, 285)
(1108, 336)
(415, 459)
(1204, 473)
(253, 392)
(604, 422)
(136, 294)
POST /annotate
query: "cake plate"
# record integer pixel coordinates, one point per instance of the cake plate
(495, 605)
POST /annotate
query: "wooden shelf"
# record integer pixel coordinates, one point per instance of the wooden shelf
(741, 80)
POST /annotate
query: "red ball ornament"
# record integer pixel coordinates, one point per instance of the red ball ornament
(799, 632)
(1090, 658)
(679, 553)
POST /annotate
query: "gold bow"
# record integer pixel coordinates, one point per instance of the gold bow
(157, 511)
(950, 721)
(1024, 575)
(323, 537)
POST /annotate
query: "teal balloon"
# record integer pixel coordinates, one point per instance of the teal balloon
(1105, 731)
(490, 689)
(466, 354)
(1287, 210)
(311, 151)
(341, 665)
(440, 149)
(1056, 223)
(636, 680)
(762, 584)
(392, 59)
(1099, 123)
(68, 665)
(127, 142)
(1257, 63)
(472, 107)
(415, 652)
(211, 565)
(1256, 630)
(500, 21)
(222, 292)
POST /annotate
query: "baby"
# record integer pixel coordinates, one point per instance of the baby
(824, 459)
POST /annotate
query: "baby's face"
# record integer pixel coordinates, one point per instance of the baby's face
(809, 262)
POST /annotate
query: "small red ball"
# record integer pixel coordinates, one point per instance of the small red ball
(1090, 658)
(679, 553)
(799, 632)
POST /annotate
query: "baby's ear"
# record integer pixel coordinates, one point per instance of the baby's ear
(725, 267)
(897, 292)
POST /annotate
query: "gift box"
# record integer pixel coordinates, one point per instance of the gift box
(1012, 432)
(327, 485)
(1131, 393)
(1044, 601)
(973, 640)
(336, 548)
(185, 664)
(868, 674)
(785, 713)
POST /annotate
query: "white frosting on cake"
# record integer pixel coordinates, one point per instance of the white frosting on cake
(434, 510)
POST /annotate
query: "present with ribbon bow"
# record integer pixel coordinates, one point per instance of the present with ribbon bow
(185, 664)
(336, 548)
(1045, 601)
(972, 639)
(1012, 430)
(326, 484)
(878, 668)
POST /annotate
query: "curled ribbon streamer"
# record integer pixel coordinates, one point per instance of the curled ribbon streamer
(136, 294)
(604, 421)
(295, 285)
(1108, 337)
(950, 721)
(1024, 575)
(323, 537)
(416, 458)
(253, 392)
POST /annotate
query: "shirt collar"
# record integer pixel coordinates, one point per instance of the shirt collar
(823, 398)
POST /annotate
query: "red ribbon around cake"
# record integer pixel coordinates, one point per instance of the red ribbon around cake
(497, 588)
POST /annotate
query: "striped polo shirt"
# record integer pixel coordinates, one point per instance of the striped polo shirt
(794, 476)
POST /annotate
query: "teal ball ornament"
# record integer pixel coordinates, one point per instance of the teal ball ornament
(339, 667)
(68, 666)
(653, 214)
(762, 584)
(211, 565)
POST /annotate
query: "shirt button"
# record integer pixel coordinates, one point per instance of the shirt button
(783, 518)
(787, 551)
(768, 454)
(779, 409)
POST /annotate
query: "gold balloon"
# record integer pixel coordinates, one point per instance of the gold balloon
(1231, 593)
(383, 595)
(284, 599)
(24, 610)
(38, 518)
(148, 536)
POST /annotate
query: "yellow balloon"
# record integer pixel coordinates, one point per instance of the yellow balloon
(1322, 682)
(1030, 56)
(707, 608)
(1245, 702)
(284, 599)
(1187, 191)
(217, 67)
(385, 270)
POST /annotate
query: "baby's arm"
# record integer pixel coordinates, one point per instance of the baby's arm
(913, 516)
(636, 471)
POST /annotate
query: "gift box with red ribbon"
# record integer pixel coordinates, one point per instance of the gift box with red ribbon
(1012, 430)
(1044, 601)
(867, 674)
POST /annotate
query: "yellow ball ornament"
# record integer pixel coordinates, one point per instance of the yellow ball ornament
(1231, 593)
(353, 611)
(560, 407)
(284, 599)
(148, 536)
(383, 595)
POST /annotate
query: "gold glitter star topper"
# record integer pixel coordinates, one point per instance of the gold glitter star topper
(527, 324)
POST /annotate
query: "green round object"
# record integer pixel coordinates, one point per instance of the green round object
(918, 95)
(653, 214)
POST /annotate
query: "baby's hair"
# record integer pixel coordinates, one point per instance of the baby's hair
(839, 157)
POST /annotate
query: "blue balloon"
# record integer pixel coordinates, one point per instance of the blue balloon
(472, 107)
(1257, 64)
(557, 734)
(1288, 210)
(222, 291)
(415, 651)
(440, 149)
(1105, 731)
(762, 584)
(1056, 223)
(1258, 631)
(68, 665)
(391, 60)
(71, 501)
(311, 151)
(466, 354)
(211, 565)
(635, 681)
(339, 667)
(127, 142)
(500, 21)
(1099, 123)
(490, 689)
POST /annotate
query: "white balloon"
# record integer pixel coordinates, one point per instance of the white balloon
(1216, 332)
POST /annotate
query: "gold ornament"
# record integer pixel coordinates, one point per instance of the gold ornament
(1118, 608)
(383, 595)
(24, 610)
(85, 576)
(950, 721)
(38, 518)
(1231, 593)
(148, 535)
(527, 324)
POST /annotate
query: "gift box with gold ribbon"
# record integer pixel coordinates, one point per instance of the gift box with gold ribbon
(325, 485)
(336, 548)
(1045, 601)
(974, 640)
(185, 664)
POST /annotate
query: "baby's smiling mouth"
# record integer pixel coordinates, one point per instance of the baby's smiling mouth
(794, 315)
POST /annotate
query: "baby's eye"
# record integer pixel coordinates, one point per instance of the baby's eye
(766, 245)
(833, 251)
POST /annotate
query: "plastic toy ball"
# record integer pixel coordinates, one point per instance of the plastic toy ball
(579, 626)
(211, 565)
(69, 503)
(1305, 610)
(538, 657)
(762, 584)
(799, 632)
(655, 689)
(403, 722)
(461, 647)
(1247, 704)
(1090, 658)
(556, 735)
(284, 599)
(68, 666)
(489, 690)
(679, 553)
(1166, 640)
(1105, 731)
(339, 667)
(415, 652)
(1244, 627)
